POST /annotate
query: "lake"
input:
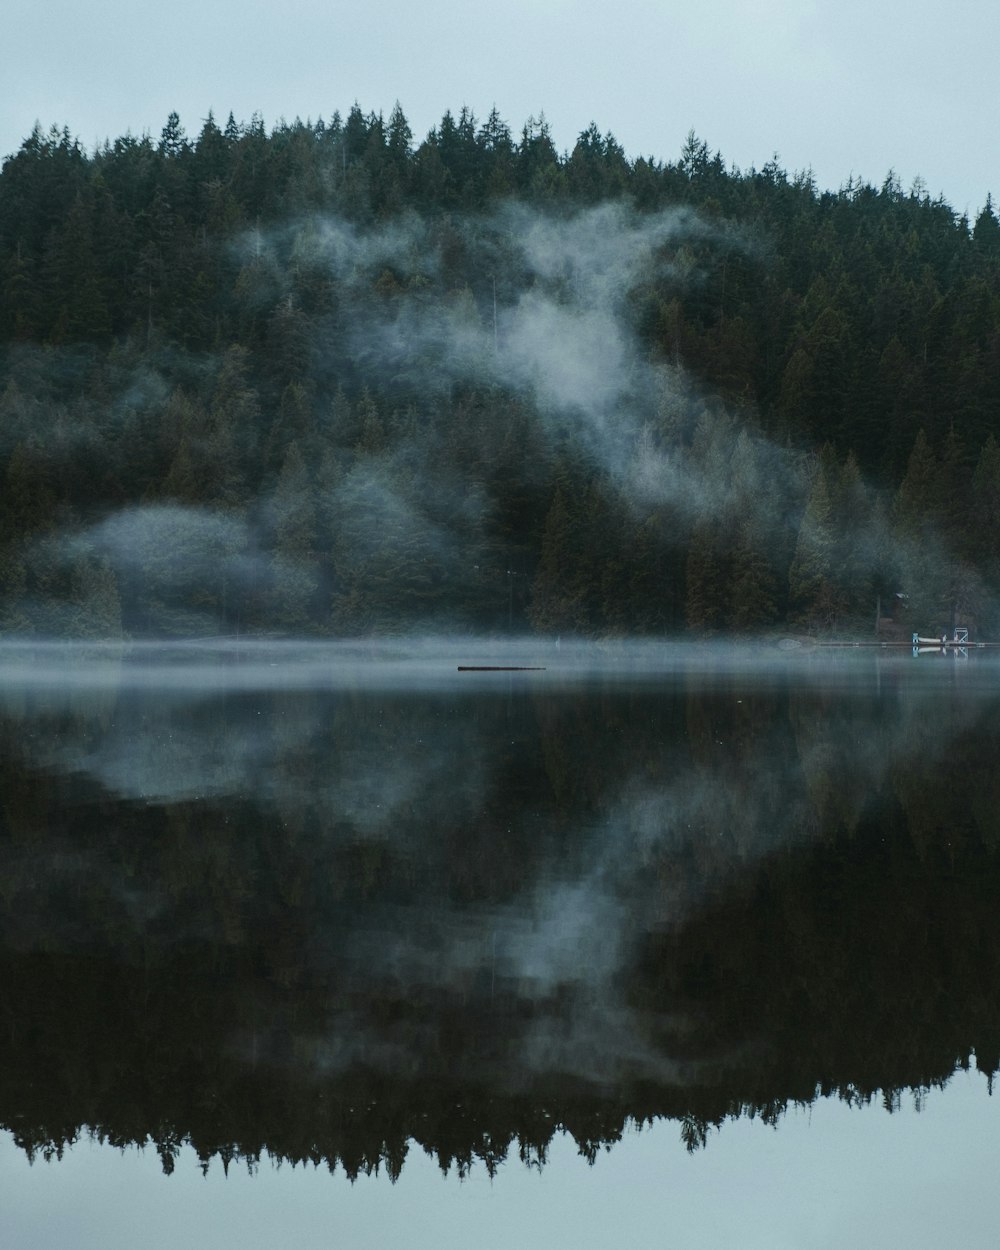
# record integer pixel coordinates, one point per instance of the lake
(338, 944)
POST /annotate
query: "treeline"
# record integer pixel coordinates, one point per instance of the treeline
(237, 354)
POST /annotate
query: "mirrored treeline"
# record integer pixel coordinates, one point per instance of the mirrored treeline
(324, 908)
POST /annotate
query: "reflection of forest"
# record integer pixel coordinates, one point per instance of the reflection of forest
(325, 926)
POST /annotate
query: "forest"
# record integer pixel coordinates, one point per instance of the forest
(326, 379)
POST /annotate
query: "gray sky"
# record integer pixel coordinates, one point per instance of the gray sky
(844, 88)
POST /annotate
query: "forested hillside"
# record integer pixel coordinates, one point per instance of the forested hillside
(325, 379)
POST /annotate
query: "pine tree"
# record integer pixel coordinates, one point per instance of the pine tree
(923, 559)
(293, 524)
(173, 141)
(20, 305)
(706, 578)
(557, 594)
(77, 294)
(986, 231)
(857, 572)
(814, 595)
(236, 410)
(96, 605)
(984, 524)
(752, 592)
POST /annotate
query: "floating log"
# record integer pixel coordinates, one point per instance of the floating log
(501, 668)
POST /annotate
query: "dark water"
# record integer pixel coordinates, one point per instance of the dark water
(348, 907)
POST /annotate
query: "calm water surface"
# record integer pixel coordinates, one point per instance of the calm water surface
(275, 912)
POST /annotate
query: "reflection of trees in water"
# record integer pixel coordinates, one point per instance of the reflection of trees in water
(469, 923)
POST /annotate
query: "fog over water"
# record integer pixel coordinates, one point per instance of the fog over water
(414, 661)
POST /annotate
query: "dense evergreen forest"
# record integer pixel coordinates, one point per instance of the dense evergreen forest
(325, 379)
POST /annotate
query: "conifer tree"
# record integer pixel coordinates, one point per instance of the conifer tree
(96, 605)
(814, 594)
(557, 595)
(857, 570)
(917, 531)
(706, 578)
(752, 592)
(293, 523)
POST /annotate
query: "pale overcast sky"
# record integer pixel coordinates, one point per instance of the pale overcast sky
(846, 87)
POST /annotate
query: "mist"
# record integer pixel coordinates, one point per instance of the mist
(559, 331)
(473, 433)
